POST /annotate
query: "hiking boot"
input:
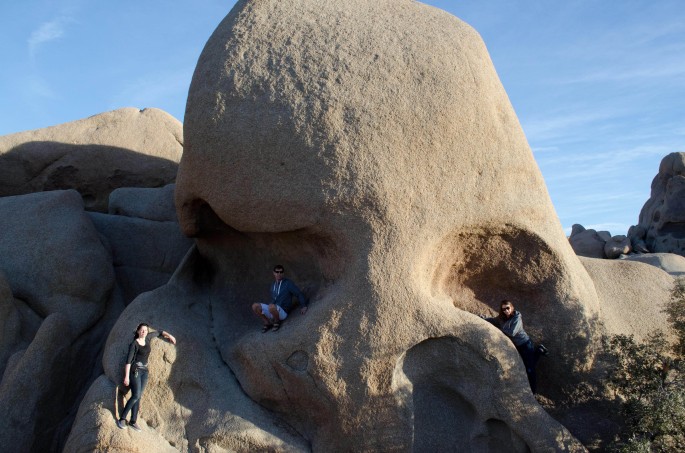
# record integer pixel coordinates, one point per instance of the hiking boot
(543, 350)
(121, 423)
(135, 426)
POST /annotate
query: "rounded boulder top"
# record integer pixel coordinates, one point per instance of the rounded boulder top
(300, 111)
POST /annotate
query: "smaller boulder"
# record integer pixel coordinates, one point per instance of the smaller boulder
(144, 202)
(637, 235)
(588, 243)
(617, 246)
(145, 253)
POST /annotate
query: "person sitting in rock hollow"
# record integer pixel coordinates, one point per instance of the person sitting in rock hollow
(510, 323)
(282, 292)
(135, 371)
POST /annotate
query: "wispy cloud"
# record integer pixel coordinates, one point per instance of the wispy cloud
(614, 74)
(46, 32)
(558, 125)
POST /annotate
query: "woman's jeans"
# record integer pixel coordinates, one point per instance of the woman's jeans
(138, 380)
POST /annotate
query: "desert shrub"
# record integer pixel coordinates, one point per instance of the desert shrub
(676, 316)
(649, 380)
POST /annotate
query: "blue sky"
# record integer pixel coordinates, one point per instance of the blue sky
(599, 86)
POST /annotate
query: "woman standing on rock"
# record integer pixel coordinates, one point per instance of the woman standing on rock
(135, 371)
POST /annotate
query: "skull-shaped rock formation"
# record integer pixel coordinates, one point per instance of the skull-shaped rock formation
(370, 148)
(661, 228)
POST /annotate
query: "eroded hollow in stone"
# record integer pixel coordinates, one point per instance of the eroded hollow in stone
(441, 391)
(483, 266)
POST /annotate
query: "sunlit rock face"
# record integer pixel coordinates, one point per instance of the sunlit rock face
(370, 148)
(661, 228)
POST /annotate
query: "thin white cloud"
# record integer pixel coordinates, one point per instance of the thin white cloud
(46, 32)
(544, 149)
(649, 73)
(560, 125)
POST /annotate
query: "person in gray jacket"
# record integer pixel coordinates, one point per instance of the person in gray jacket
(282, 292)
(510, 323)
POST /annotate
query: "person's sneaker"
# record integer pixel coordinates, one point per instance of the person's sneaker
(121, 423)
(543, 350)
(135, 426)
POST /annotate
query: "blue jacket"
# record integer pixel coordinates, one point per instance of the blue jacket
(512, 327)
(282, 294)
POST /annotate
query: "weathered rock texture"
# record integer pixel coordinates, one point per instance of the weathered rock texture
(661, 227)
(123, 148)
(371, 149)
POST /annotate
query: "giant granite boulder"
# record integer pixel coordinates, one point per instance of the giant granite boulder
(661, 228)
(370, 148)
(122, 148)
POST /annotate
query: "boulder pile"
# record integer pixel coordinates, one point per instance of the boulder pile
(66, 274)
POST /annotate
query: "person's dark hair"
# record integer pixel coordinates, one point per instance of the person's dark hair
(142, 324)
(502, 304)
(279, 267)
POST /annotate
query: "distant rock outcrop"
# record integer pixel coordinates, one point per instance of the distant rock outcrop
(123, 148)
(616, 246)
(588, 243)
(661, 226)
(598, 244)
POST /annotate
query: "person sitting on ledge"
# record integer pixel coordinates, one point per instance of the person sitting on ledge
(282, 292)
(510, 323)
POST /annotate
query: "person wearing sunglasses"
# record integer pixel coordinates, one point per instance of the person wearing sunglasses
(510, 323)
(282, 292)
